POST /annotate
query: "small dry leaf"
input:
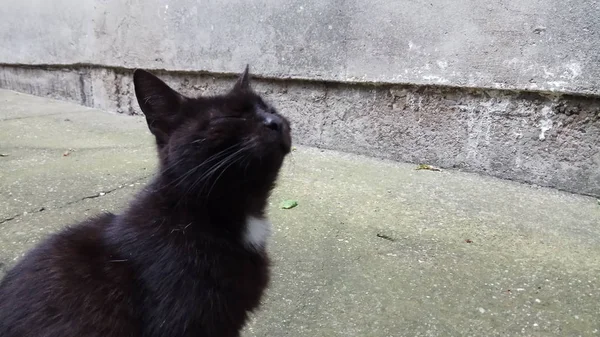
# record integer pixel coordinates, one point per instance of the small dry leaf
(427, 167)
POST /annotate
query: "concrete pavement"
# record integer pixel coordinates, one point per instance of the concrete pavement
(374, 248)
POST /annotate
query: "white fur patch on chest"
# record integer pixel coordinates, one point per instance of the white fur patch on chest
(258, 231)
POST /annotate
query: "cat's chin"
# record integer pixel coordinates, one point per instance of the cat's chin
(279, 145)
(286, 147)
(273, 151)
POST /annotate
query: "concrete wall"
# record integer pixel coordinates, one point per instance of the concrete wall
(547, 139)
(508, 88)
(532, 44)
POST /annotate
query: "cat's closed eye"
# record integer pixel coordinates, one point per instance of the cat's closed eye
(243, 107)
(230, 117)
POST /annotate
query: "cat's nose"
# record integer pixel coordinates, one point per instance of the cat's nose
(273, 122)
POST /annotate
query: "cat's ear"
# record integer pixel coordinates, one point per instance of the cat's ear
(160, 104)
(243, 82)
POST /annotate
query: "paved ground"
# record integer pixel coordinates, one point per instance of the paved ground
(374, 248)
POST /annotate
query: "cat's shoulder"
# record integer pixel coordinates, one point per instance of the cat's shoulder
(71, 245)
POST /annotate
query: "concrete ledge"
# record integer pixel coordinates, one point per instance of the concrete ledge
(546, 139)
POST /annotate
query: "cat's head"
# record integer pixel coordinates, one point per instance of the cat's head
(211, 147)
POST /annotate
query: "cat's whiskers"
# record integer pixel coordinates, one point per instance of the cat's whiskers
(231, 159)
(247, 161)
(198, 141)
(173, 165)
(210, 171)
(182, 178)
(219, 176)
(181, 229)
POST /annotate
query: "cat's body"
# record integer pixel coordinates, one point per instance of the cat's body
(188, 257)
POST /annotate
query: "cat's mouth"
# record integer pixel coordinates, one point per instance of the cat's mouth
(286, 142)
(281, 138)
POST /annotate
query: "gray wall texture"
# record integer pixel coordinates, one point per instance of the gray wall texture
(517, 44)
(509, 88)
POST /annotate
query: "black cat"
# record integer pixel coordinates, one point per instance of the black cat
(188, 256)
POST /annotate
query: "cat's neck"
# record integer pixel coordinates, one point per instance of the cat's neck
(180, 206)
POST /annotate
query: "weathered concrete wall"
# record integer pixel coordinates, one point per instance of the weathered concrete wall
(547, 139)
(444, 82)
(548, 45)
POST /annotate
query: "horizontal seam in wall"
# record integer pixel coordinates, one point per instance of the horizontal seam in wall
(283, 78)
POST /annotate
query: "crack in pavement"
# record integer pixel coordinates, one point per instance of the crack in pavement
(7, 149)
(32, 116)
(97, 195)
(7, 219)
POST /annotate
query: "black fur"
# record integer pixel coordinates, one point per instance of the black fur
(175, 262)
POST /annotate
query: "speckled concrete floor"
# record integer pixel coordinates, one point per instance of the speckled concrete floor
(374, 248)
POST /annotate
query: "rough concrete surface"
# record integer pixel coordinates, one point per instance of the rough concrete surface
(549, 140)
(549, 45)
(374, 248)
